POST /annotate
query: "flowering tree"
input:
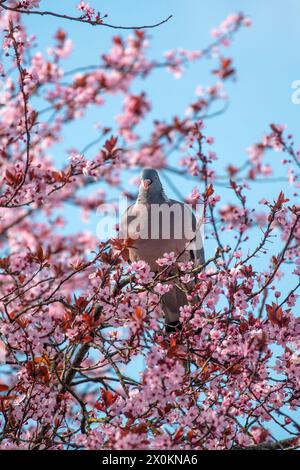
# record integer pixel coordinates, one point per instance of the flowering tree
(74, 314)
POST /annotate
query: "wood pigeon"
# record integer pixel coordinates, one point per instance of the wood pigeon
(159, 225)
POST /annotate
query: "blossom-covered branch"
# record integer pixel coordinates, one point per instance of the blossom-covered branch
(89, 15)
(75, 315)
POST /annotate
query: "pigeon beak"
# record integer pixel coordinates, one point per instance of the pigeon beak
(147, 183)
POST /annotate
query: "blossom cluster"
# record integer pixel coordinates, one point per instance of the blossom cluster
(76, 318)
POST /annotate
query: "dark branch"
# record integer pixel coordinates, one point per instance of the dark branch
(285, 444)
(82, 19)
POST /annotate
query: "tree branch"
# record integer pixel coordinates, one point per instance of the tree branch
(285, 444)
(97, 22)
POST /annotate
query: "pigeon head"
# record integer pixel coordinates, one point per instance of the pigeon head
(150, 186)
(150, 180)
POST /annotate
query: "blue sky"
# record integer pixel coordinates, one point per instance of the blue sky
(266, 57)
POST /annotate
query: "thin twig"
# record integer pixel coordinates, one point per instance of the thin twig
(83, 20)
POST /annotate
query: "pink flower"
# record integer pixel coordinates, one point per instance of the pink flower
(141, 271)
(27, 4)
(162, 288)
(292, 299)
(215, 33)
(247, 21)
(167, 260)
(186, 278)
(212, 200)
(86, 9)
(194, 196)
(3, 352)
(186, 266)
(63, 50)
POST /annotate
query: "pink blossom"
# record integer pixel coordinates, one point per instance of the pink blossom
(27, 4)
(167, 260)
(194, 196)
(3, 352)
(162, 288)
(86, 9)
(141, 271)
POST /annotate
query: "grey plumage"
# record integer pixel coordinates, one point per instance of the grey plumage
(161, 225)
